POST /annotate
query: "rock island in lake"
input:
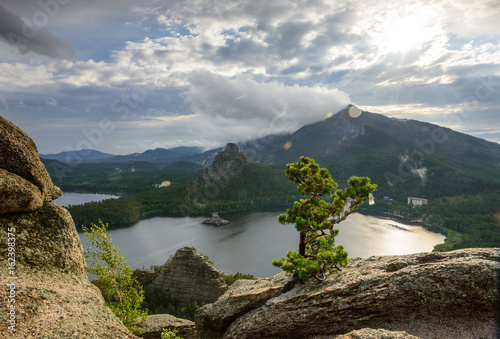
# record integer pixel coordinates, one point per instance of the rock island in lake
(215, 220)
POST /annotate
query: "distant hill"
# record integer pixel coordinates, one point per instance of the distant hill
(158, 155)
(80, 155)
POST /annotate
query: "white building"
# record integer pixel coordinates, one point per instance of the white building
(417, 201)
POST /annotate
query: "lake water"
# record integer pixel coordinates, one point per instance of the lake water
(71, 198)
(251, 240)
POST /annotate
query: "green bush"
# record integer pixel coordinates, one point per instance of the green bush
(122, 292)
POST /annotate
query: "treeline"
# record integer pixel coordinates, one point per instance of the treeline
(149, 203)
(118, 182)
(466, 220)
(430, 177)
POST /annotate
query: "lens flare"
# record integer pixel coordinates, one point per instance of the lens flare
(287, 145)
(354, 112)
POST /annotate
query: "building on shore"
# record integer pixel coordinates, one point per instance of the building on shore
(417, 201)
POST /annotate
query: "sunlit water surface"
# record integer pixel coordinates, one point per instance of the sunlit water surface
(251, 240)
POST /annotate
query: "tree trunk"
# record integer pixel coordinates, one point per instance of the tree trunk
(302, 244)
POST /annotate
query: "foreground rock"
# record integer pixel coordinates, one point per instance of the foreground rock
(156, 323)
(19, 155)
(370, 333)
(45, 290)
(18, 194)
(429, 295)
(189, 275)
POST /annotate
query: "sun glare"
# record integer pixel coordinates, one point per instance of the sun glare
(402, 34)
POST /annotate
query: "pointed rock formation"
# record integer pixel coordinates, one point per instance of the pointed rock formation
(226, 164)
(189, 275)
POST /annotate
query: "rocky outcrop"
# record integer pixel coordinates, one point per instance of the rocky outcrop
(189, 275)
(156, 323)
(215, 220)
(370, 333)
(429, 295)
(18, 194)
(19, 155)
(226, 164)
(45, 289)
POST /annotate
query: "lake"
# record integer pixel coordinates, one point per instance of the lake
(250, 242)
(71, 198)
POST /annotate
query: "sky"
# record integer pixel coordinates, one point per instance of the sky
(123, 76)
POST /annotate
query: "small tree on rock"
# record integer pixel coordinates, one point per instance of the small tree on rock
(315, 217)
(123, 293)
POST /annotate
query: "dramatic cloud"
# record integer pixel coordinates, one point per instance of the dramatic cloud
(194, 72)
(28, 37)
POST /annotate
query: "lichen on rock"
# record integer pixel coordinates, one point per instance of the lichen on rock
(19, 155)
(44, 275)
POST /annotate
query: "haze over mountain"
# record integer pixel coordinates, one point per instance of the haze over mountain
(339, 134)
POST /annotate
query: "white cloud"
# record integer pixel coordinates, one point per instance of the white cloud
(245, 100)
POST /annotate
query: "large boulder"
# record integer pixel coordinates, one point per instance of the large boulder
(429, 295)
(156, 323)
(19, 155)
(189, 275)
(18, 194)
(46, 292)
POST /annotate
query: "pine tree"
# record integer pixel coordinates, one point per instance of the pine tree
(315, 217)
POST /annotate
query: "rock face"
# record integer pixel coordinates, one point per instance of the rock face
(189, 275)
(370, 333)
(429, 295)
(226, 164)
(44, 276)
(156, 323)
(19, 155)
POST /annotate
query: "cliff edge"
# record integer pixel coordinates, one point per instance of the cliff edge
(45, 289)
(428, 295)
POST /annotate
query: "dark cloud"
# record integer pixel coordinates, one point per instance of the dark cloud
(27, 37)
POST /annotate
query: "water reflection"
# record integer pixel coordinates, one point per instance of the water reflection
(253, 239)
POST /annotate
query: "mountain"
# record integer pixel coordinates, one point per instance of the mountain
(341, 128)
(80, 155)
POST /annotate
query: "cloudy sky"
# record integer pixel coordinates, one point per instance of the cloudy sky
(124, 76)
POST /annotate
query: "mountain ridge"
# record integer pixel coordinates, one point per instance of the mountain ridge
(315, 139)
